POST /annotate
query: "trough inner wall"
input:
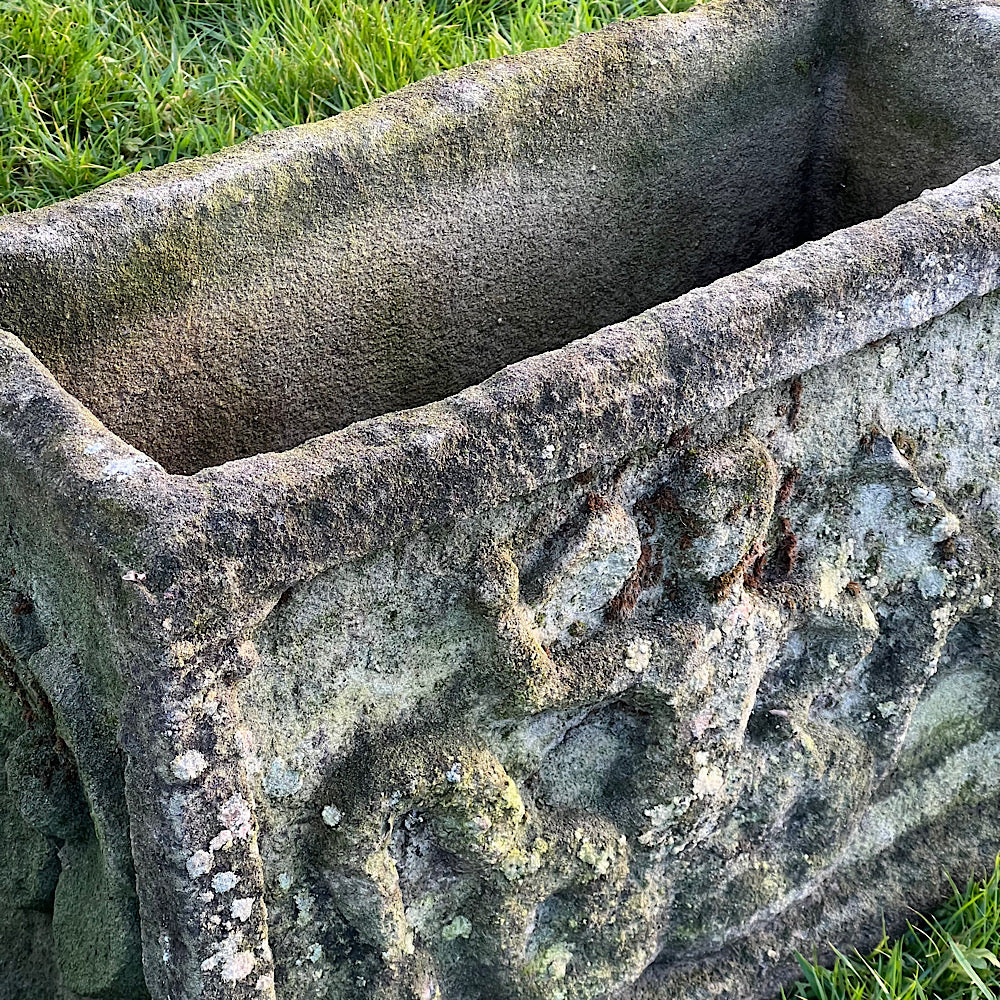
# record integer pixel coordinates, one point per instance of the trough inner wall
(419, 245)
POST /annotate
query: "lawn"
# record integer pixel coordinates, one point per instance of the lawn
(950, 956)
(93, 89)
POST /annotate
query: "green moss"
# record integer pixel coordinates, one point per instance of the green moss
(95, 925)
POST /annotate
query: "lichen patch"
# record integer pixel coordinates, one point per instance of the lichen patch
(189, 765)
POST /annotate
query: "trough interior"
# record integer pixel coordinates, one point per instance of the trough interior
(349, 280)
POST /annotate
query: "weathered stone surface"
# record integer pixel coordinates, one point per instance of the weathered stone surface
(625, 672)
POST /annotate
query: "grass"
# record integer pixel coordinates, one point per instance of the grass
(93, 89)
(949, 956)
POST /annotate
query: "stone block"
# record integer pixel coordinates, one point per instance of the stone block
(532, 537)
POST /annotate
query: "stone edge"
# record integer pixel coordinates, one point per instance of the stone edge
(552, 416)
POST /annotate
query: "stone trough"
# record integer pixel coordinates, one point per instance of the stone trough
(530, 538)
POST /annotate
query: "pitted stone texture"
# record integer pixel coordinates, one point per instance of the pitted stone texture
(878, 710)
(587, 565)
(714, 509)
(561, 847)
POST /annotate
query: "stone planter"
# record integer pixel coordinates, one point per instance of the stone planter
(340, 660)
